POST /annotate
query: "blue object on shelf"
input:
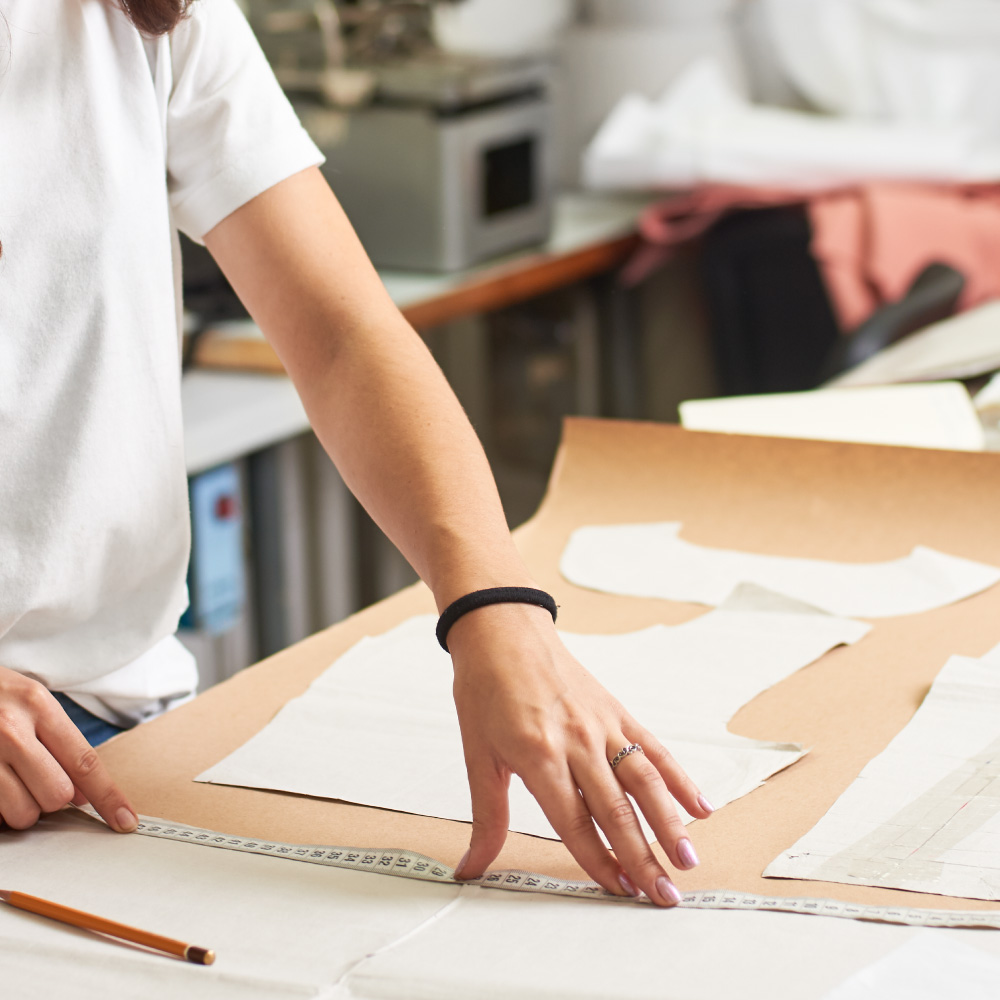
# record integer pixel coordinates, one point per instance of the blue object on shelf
(216, 574)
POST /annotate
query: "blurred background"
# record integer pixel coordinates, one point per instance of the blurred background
(769, 216)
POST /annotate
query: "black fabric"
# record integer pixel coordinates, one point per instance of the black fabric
(772, 324)
(494, 595)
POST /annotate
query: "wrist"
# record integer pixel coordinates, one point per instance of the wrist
(500, 634)
(491, 597)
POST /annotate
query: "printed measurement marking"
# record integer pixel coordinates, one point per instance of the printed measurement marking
(408, 864)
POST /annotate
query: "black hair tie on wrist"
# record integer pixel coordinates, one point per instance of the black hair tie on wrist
(494, 595)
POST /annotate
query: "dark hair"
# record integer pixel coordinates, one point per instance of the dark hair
(155, 17)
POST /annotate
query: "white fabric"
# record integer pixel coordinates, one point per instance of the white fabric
(283, 928)
(153, 683)
(652, 560)
(927, 966)
(495, 945)
(703, 131)
(959, 347)
(391, 697)
(279, 930)
(920, 61)
(924, 815)
(108, 142)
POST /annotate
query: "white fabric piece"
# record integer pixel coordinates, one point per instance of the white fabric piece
(652, 560)
(919, 61)
(924, 815)
(109, 142)
(960, 347)
(278, 929)
(161, 679)
(703, 131)
(495, 945)
(928, 966)
(287, 930)
(936, 415)
(379, 726)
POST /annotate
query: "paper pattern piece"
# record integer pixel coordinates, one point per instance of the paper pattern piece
(379, 726)
(924, 814)
(651, 560)
(930, 965)
(931, 415)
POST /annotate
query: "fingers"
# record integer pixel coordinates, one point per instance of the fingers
(636, 776)
(566, 810)
(18, 808)
(488, 786)
(86, 772)
(607, 800)
(31, 782)
(681, 787)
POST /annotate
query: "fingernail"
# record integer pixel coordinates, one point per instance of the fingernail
(705, 804)
(668, 890)
(461, 864)
(686, 853)
(628, 885)
(126, 820)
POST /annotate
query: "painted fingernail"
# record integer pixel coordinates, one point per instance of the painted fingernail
(126, 820)
(705, 804)
(628, 885)
(461, 864)
(686, 853)
(668, 890)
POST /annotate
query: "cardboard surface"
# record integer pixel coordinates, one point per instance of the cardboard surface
(797, 498)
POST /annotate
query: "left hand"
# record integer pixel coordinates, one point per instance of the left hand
(527, 707)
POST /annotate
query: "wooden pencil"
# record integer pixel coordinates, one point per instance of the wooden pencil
(90, 922)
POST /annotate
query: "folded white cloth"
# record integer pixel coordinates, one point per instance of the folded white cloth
(703, 131)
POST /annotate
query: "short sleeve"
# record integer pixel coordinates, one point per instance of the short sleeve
(230, 130)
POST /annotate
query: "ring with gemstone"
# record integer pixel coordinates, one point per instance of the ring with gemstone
(623, 753)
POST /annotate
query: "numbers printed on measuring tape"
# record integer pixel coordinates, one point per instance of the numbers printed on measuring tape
(409, 864)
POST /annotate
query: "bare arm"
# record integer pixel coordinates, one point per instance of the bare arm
(388, 419)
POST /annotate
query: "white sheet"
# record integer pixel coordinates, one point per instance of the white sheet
(278, 929)
(652, 560)
(379, 726)
(932, 415)
(540, 948)
(924, 814)
(703, 131)
(959, 347)
(928, 966)
(286, 931)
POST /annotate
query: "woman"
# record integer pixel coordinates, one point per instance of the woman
(119, 126)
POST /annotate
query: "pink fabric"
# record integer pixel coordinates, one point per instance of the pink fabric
(870, 242)
(873, 241)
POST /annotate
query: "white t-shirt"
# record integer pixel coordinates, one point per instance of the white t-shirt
(108, 143)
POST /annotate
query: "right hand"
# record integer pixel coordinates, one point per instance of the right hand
(45, 763)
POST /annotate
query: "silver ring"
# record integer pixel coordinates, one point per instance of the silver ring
(625, 752)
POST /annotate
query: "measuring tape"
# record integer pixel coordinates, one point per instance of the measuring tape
(408, 864)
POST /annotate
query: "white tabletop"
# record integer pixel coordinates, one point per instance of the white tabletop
(229, 415)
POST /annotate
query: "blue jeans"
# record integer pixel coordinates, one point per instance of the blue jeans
(95, 731)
